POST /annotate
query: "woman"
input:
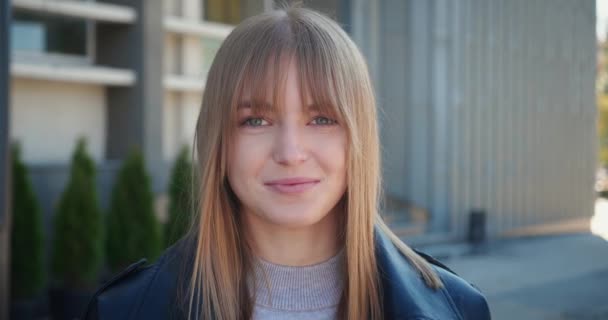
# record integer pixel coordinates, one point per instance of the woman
(287, 224)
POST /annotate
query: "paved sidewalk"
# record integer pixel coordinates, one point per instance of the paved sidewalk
(549, 277)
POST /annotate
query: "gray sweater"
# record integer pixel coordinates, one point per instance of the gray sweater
(308, 292)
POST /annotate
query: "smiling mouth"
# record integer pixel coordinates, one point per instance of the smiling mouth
(292, 186)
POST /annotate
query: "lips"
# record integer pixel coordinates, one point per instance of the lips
(292, 185)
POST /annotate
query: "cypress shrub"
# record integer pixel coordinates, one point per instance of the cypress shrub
(27, 263)
(78, 227)
(132, 229)
(181, 188)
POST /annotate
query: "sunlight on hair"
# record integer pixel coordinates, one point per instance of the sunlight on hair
(599, 221)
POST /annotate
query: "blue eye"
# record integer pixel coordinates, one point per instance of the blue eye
(323, 121)
(254, 122)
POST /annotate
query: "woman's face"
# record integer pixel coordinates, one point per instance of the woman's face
(288, 169)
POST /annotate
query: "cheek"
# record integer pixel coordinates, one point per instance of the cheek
(234, 166)
(237, 164)
(333, 151)
(245, 158)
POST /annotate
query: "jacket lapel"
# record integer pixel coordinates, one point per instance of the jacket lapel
(405, 295)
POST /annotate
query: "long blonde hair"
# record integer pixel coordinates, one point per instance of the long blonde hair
(334, 72)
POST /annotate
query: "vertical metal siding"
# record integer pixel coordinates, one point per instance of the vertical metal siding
(496, 109)
(512, 111)
(522, 143)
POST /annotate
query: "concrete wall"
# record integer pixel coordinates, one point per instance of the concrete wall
(172, 7)
(135, 114)
(192, 9)
(171, 57)
(192, 57)
(48, 117)
(186, 56)
(180, 114)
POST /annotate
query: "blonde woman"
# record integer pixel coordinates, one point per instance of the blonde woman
(287, 223)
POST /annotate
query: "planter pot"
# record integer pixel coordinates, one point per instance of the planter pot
(29, 309)
(67, 304)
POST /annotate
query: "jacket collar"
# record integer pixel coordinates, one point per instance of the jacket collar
(405, 294)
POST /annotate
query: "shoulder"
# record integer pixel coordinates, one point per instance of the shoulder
(118, 297)
(139, 291)
(467, 299)
(407, 296)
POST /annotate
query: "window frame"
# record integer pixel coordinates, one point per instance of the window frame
(60, 58)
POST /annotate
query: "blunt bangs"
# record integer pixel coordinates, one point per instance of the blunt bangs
(280, 42)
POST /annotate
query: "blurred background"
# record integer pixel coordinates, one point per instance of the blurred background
(494, 123)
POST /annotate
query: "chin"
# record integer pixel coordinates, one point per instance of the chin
(294, 219)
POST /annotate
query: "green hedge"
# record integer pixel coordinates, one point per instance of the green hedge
(180, 198)
(133, 231)
(78, 227)
(27, 264)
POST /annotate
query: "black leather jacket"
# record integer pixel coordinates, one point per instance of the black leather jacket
(146, 292)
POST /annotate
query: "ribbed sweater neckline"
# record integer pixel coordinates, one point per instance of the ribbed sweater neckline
(299, 288)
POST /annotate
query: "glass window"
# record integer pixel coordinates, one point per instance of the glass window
(235, 11)
(210, 48)
(50, 34)
(231, 11)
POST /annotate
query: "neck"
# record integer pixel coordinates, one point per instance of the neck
(297, 246)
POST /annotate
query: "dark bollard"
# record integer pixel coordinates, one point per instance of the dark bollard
(477, 227)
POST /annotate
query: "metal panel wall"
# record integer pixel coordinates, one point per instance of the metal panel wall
(499, 110)
(517, 83)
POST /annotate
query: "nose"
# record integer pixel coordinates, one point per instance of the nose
(289, 146)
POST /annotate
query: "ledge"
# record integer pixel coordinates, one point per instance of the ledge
(183, 83)
(81, 9)
(79, 74)
(199, 28)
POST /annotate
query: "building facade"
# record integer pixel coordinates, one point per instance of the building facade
(488, 106)
(485, 105)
